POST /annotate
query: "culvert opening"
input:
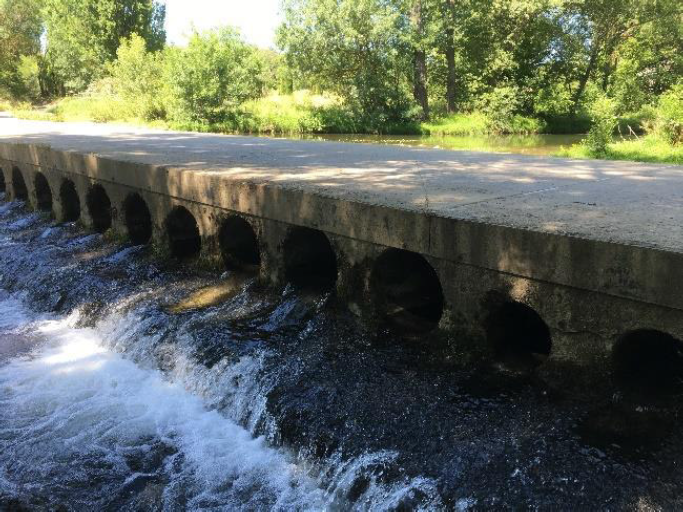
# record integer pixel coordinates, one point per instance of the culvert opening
(3, 185)
(99, 208)
(138, 219)
(310, 261)
(238, 244)
(19, 185)
(183, 234)
(649, 361)
(71, 204)
(518, 333)
(406, 291)
(43, 193)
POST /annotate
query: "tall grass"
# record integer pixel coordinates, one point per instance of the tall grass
(300, 112)
(647, 149)
(285, 114)
(478, 123)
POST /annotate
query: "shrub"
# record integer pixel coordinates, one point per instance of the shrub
(627, 88)
(100, 108)
(28, 72)
(553, 101)
(604, 121)
(211, 77)
(137, 79)
(668, 122)
(638, 122)
(647, 149)
(569, 123)
(500, 107)
(555, 106)
(474, 123)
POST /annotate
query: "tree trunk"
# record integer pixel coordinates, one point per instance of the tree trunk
(583, 81)
(420, 61)
(450, 56)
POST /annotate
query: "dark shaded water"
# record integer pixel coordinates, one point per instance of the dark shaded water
(128, 384)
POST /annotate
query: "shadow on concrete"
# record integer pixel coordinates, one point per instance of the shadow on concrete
(611, 201)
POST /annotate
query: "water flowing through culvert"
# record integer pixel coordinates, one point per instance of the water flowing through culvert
(127, 383)
(110, 401)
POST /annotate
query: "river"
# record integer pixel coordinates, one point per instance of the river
(120, 390)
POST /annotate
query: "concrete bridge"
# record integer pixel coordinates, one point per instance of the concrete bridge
(569, 265)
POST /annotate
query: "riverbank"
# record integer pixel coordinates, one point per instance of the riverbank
(301, 112)
(324, 117)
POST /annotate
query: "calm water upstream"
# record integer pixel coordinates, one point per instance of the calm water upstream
(539, 145)
(116, 396)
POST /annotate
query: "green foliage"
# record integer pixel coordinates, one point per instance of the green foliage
(275, 75)
(20, 29)
(555, 105)
(508, 44)
(98, 108)
(475, 123)
(627, 89)
(300, 112)
(84, 35)
(137, 78)
(650, 55)
(604, 122)
(649, 149)
(567, 124)
(28, 73)
(26, 112)
(355, 48)
(638, 122)
(479, 123)
(488, 67)
(553, 101)
(506, 58)
(501, 106)
(668, 123)
(210, 78)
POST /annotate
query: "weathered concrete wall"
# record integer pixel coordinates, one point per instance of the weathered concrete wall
(588, 292)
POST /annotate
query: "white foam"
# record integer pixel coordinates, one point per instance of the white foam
(72, 396)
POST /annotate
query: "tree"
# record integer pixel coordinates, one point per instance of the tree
(360, 49)
(20, 30)
(212, 76)
(417, 19)
(83, 35)
(604, 24)
(137, 78)
(449, 19)
(650, 62)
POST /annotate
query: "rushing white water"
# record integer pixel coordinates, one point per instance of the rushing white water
(126, 415)
(84, 425)
(79, 417)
